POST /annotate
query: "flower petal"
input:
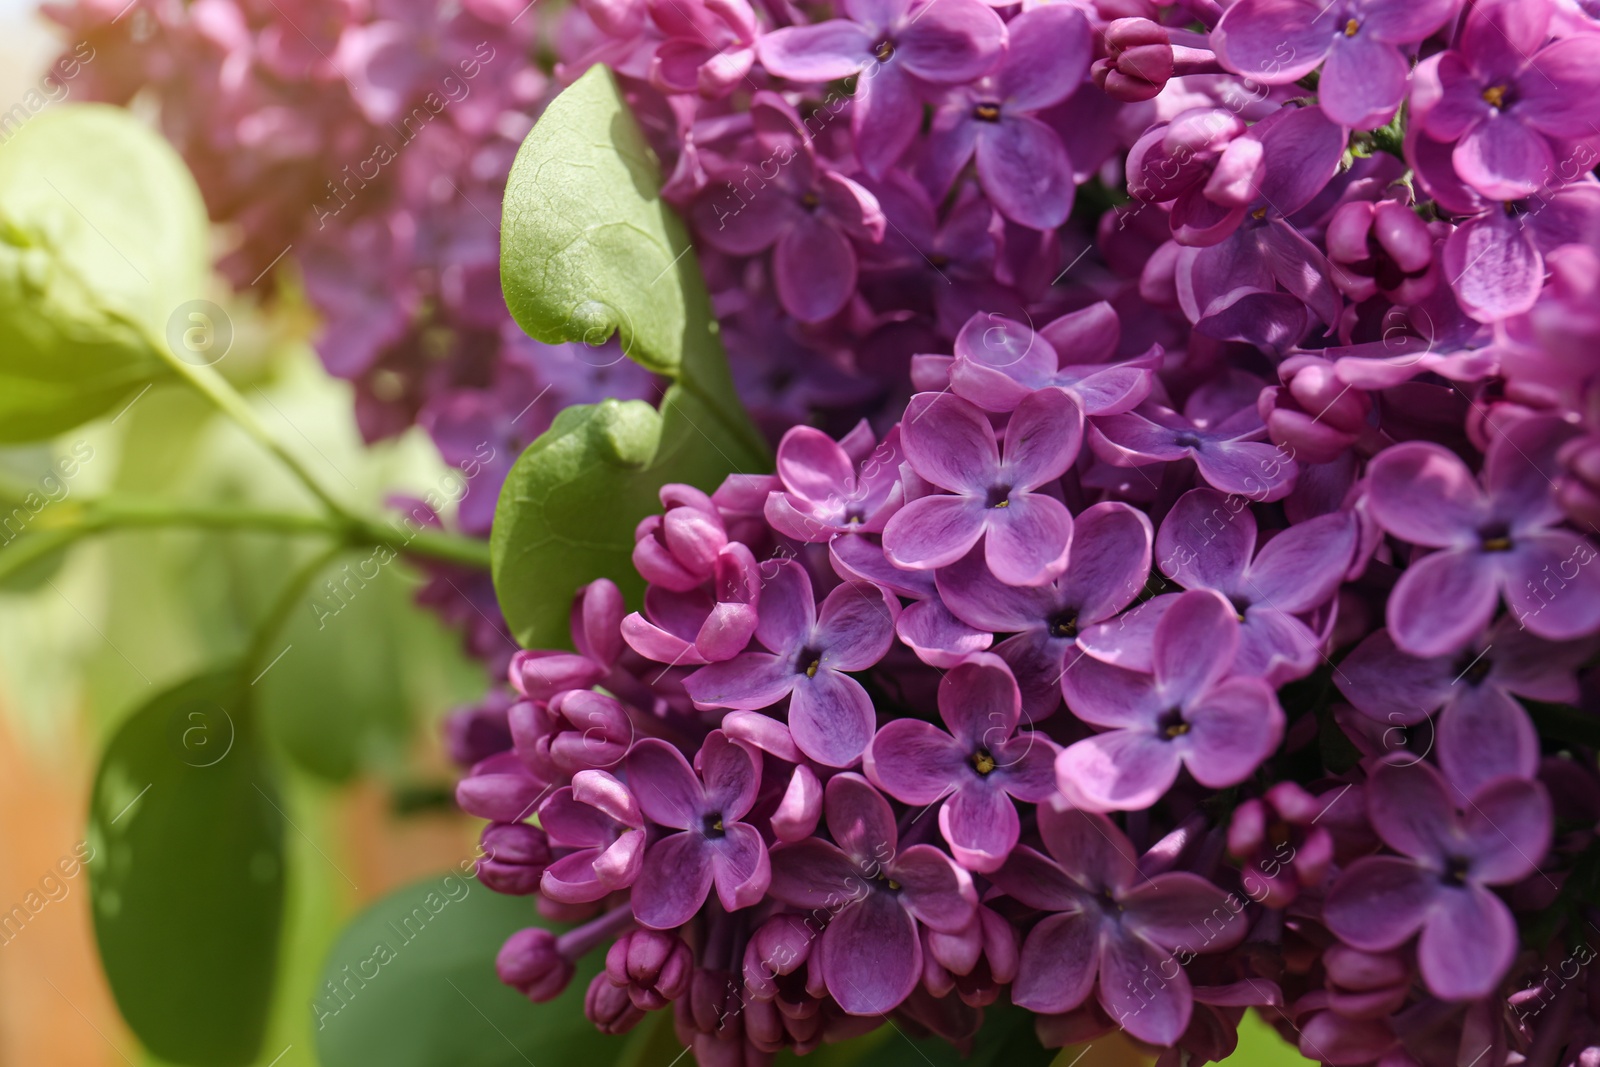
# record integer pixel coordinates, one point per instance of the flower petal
(1443, 601)
(933, 531)
(1058, 964)
(870, 955)
(1467, 945)
(748, 682)
(980, 823)
(1235, 726)
(1206, 540)
(855, 626)
(831, 717)
(914, 761)
(674, 881)
(1379, 902)
(668, 790)
(1121, 770)
(950, 443)
(739, 867)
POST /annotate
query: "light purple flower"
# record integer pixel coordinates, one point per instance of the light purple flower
(1509, 98)
(1114, 931)
(976, 768)
(709, 49)
(950, 443)
(714, 847)
(1187, 713)
(873, 894)
(1438, 885)
(1207, 541)
(599, 820)
(835, 487)
(806, 212)
(1483, 732)
(1358, 44)
(1229, 453)
(896, 46)
(1022, 166)
(999, 362)
(1498, 539)
(809, 649)
(1109, 564)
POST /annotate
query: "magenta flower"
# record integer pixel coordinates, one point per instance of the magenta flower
(976, 768)
(998, 362)
(873, 895)
(808, 214)
(1358, 43)
(809, 649)
(599, 820)
(832, 488)
(1108, 566)
(1497, 539)
(1510, 98)
(1207, 541)
(1022, 165)
(1483, 732)
(896, 46)
(950, 443)
(713, 847)
(1188, 713)
(1113, 931)
(1438, 885)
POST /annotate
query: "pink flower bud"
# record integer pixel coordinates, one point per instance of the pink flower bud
(1138, 63)
(515, 856)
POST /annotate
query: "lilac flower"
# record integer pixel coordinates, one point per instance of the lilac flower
(709, 49)
(873, 895)
(1022, 165)
(1108, 566)
(979, 765)
(714, 847)
(1229, 453)
(706, 624)
(599, 821)
(950, 443)
(1113, 931)
(1483, 733)
(1438, 885)
(1509, 98)
(809, 649)
(1358, 43)
(1187, 713)
(1498, 539)
(1300, 851)
(824, 495)
(897, 46)
(998, 362)
(808, 216)
(1382, 247)
(1230, 289)
(1207, 541)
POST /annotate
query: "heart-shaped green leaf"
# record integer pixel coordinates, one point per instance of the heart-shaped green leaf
(411, 983)
(588, 247)
(100, 222)
(186, 874)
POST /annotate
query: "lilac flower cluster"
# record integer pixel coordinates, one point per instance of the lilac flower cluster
(1213, 624)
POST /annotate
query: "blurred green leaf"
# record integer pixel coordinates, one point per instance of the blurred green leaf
(187, 875)
(589, 248)
(1262, 1046)
(336, 700)
(99, 218)
(411, 983)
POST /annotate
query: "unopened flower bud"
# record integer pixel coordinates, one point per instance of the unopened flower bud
(530, 963)
(515, 856)
(609, 1008)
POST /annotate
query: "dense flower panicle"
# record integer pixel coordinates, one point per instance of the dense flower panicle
(1188, 483)
(1221, 364)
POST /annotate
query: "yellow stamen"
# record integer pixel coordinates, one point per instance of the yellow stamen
(1351, 27)
(982, 762)
(811, 671)
(1495, 96)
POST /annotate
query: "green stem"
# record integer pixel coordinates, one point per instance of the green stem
(215, 388)
(112, 513)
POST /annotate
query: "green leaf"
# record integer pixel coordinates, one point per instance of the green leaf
(411, 983)
(100, 221)
(588, 247)
(186, 874)
(335, 697)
